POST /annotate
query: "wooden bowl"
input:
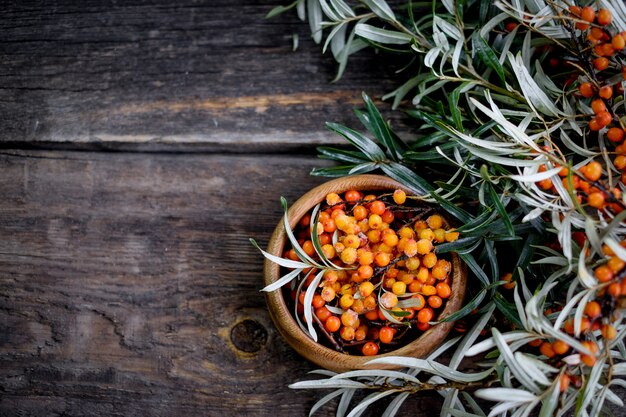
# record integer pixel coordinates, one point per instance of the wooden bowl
(282, 315)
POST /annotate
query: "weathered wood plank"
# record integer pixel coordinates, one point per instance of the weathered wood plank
(208, 75)
(128, 286)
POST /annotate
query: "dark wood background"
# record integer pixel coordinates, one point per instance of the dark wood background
(141, 144)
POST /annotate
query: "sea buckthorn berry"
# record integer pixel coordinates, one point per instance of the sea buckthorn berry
(620, 162)
(412, 264)
(348, 256)
(390, 239)
(328, 294)
(425, 315)
(369, 349)
(366, 288)
(606, 92)
(451, 235)
(370, 303)
(607, 49)
(593, 171)
(323, 314)
(377, 207)
(426, 234)
(429, 290)
(419, 225)
(399, 196)
(424, 246)
(594, 125)
(332, 199)
(359, 212)
(318, 301)
(560, 347)
(332, 324)
(411, 248)
(593, 309)
(353, 195)
(443, 290)
(604, 118)
(588, 14)
(373, 236)
(375, 221)
(365, 272)
(347, 333)
(546, 350)
(386, 334)
(329, 251)
(435, 301)
(435, 221)
(575, 10)
(596, 200)
(608, 332)
(614, 290)
(615, 264)
(388, 300)
(604, 17)
(406, 232)
(388, 216)
(598, 106)
(586, 90)
(398, 288)
(603, 273)
(615, 134)
(422, 274)
(564, 381)
(429, 260)
(596, 33)
(589, 360)
(601, 63)
(382, 259)
(346, 301)
(350, 318)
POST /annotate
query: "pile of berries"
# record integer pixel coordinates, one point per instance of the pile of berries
(387, 284)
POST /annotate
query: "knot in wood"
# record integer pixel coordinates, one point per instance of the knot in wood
(248, 336)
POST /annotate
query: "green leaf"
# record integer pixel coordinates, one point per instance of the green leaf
(507, 309)
(363, 143)
(501, 209)
(488, 56)
(341, 155)
(407, 177)
(473, 266)
(332, 172)
(462, 243)
(383, 36)
(467, 309)
(281, 9)
(381, 130)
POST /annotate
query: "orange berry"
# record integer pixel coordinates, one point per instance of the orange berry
(348, 256)
(564, 382)
(615, 134)
(608, 332)
(535, 343)
(425, 315)
(560, 347)
(435, 221)
(443, 290)
(593, 171)
(588, 14)
(603, 273)
(399, 196)
(365, 272)
(604, 118)
(435, 301)
(359, 212)
(596, 34)
(620, 162)
(606, 92)
(366, 288)
(369, 349)
(382, 259)
(353, 195)
(596, 200)
(614, 290)
(398, 288)
(546, 350)
(323, 314)
(593, 309)
(601, 63)
(594, 125)
(377, 207)
(575, 10)
(598, 106)
(374, 221)
(386, 334)
(389, 300)
(607, 49)
(347, 333)
(604, 17)
(615, 264)
(586, 90)
(332, 199)
(589, 360)
(350, 318)
(332, 324)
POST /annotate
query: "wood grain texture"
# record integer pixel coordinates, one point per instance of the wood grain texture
(159, 75)
(128, 286)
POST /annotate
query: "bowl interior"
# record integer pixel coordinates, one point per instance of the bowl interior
(282, 315)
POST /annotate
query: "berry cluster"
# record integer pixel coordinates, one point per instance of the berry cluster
(388, 282)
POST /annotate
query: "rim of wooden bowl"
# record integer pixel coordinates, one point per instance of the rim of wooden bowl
(287, 325)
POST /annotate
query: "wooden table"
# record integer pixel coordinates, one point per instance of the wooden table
(143, 143)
